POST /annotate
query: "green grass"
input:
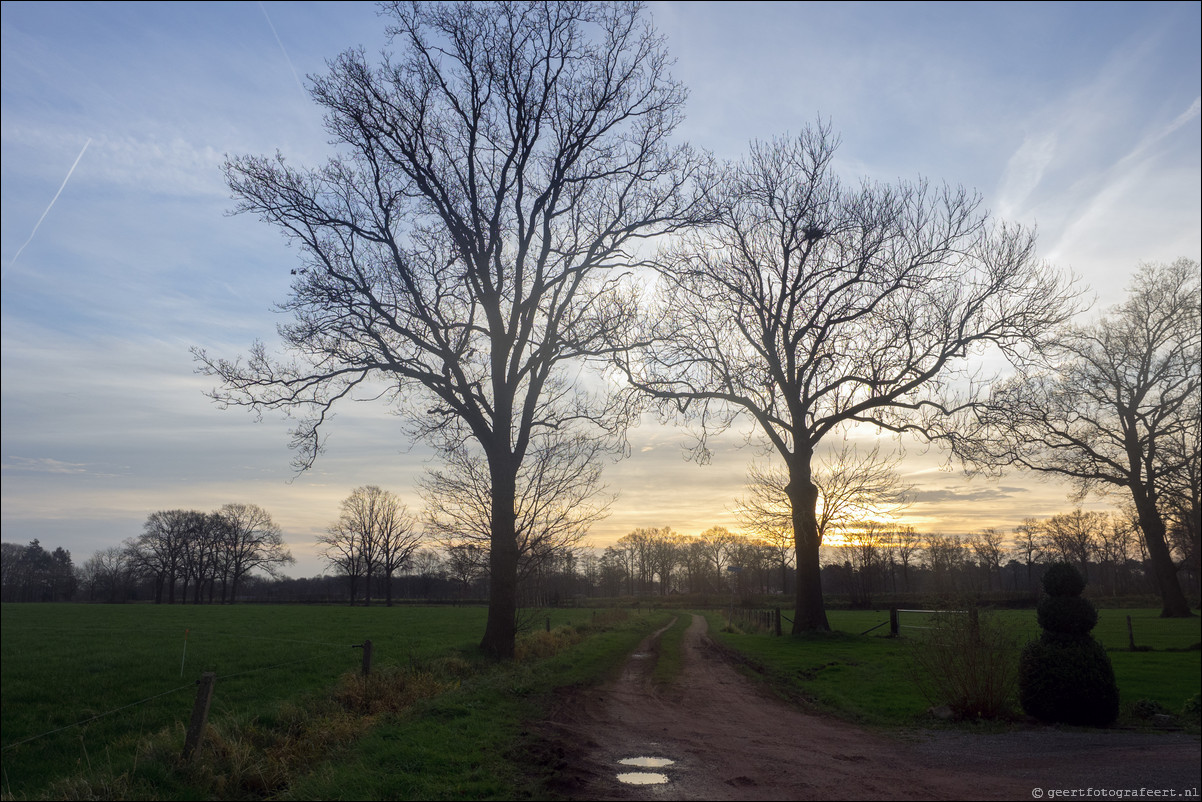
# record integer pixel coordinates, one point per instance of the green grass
(472, 744)
(292, 719)
(284, 675)
(869, 678)
(668, 664)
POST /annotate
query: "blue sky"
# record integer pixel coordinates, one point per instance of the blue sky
(1080, 118)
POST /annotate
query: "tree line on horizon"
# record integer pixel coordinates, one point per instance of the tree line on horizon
(871, 561)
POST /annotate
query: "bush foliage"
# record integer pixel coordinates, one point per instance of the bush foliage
(968, 662)
(1066, 675)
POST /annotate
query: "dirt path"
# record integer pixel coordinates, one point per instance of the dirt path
(728, 740)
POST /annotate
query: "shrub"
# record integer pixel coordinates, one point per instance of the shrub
(968, 663)
(1063, 579)
(1066, 676)
(1067, 615)
(1068, 681)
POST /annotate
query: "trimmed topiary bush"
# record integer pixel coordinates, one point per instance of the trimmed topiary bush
(1066, 675)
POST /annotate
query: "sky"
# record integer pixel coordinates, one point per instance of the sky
(119, 254)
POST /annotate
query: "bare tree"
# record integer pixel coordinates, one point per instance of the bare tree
(160, 549)
(374, 535)
(398, 535)
(341, 547)
(667, 553)
(852, 487)
(108, 574)
(558, 496)
(988, 546)
(458, 258)
(1028, 542)
(1074, 537)
(810, 306)
(944, 555)
(1115, 541)
(1114, 408)
(905, 544)
(865, 544)
(250, 541)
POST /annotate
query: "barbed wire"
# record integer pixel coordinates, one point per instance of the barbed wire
(277, 665)
(99, 715)
(175, 690)
(194, 631)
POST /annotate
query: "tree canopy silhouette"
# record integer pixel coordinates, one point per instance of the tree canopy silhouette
(810, 306)
(461, 253)
(1114, 407)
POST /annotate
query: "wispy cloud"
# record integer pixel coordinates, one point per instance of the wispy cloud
(42, 465)
(1024, 171)
(1121, 181)
(283, 50)
(52, 200)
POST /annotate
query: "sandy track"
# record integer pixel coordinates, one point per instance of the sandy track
(729, 740)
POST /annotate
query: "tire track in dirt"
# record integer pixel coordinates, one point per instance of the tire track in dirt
(729, 740)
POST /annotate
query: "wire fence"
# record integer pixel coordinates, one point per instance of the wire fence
(190, 685)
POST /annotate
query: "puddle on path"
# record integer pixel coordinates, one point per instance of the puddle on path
(647, 762)
(644, 777)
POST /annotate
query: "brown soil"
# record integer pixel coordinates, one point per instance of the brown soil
(730, 740)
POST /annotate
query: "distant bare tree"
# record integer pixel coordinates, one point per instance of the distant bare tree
(1114, 407)
(374, 535)
(341, 548)
(1116, 540)
(251, 541)
(1028, 543)
(944, 555)
(810, 306)
(107, 574)
(988, 546)
(906, 544)
(852, 487)
(160, 550)
(558, 496)
(1074, 537)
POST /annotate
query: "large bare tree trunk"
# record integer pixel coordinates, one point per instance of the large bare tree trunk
(501, 628)
(1174, 604)
(809, 612)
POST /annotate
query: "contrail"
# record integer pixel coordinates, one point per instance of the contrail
(282, 50)
(52, 200)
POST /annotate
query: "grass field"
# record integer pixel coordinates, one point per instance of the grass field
(285, 679)
(870, 678)
(94, 704)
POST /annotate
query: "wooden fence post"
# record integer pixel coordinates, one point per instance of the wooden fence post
(1130, 635)
(366, 657)
(200, 714)
(893, 624)
(776, 621)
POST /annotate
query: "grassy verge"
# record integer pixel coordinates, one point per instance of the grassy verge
(668, 664)
(870, 679)
(291, 715)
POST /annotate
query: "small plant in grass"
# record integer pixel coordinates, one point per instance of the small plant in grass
(1066, 675)
(1192, 707)
(969, 663)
